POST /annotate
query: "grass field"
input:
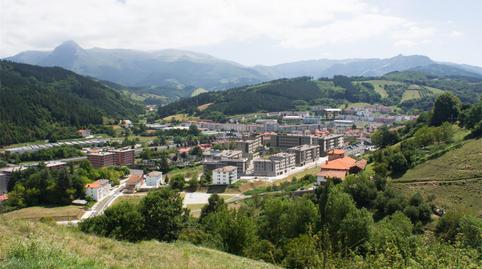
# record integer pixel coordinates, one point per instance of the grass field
(187, 172)
(60, 213)
(378, 85)
(411, 94)
(455, 179)
(461, 163)
(27, 244)
(180, 117)
(435, 91)
(463, 195)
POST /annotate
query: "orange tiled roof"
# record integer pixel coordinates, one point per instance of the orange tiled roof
(134, 179)
(336, 151)
(361, 164)
(344, 163)
(93, 185)
(184, 150)
(332, 174)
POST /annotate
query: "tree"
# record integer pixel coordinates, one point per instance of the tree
(122, 221)
(236, 229)
(445, 108)
(163, 214)
(398, 164)
(164, 165)
(302, 252)
(215, 203)
(193, 130)
(196, 151)
(193, 183)
(177, 182)
(384, 137)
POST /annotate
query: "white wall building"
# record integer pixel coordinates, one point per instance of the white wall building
(97, 190)
(154, 179)
(225, 175)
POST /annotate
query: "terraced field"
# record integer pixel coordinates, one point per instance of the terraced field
(454, 179)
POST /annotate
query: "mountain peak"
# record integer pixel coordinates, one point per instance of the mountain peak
(68, 46)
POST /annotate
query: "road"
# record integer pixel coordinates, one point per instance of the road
(100, 206)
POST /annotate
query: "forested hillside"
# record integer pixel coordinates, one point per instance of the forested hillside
(410, 90)
(51, 103)
(276, 95)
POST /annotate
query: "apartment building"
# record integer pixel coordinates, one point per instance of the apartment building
(226, 175)
(329, 142)
(101, 159)
(124, 156)
(305, 154)
(217, 159)
(111, 157)
(276, 165)
(249, 146)
(97, 190)
(285, 141)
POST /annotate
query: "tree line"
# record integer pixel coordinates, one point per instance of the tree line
(360, 221)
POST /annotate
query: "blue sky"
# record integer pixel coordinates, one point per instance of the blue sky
(251, 31)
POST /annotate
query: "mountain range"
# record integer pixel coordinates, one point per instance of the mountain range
(170, 69)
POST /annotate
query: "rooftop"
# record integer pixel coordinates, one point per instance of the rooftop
(344, 163)
(226, 169)
(154, 174)
(332, 174)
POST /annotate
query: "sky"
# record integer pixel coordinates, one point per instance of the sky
(252, 32)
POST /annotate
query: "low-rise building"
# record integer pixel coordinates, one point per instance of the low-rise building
(98, 190)
(338, 166)
(226, 175)
(305, 154)
(276, 165)
(154, 179)
(135, 181)
(84, 132)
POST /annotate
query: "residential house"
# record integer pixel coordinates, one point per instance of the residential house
(338, 166)
(98, 190)
(135, 181)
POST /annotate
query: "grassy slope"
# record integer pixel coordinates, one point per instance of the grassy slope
(57, 213)
(39, 245)
(455, 179)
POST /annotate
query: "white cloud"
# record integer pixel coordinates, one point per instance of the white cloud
(151, 24)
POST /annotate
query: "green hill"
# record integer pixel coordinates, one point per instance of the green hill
(276, 95)
(40, 245)
(454, 179)
(46, 102)
(412, 91)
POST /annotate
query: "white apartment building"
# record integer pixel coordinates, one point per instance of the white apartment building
(225, 175)
(154, 179)
(97, 190)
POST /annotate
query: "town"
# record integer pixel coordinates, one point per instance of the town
(326, 142)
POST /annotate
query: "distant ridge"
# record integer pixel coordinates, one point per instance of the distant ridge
(170, 69)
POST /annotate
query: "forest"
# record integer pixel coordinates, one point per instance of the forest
(276, 95)
(52, 103)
